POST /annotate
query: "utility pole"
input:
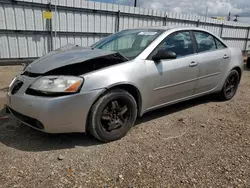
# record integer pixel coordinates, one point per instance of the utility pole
(206, 15)
(229, 16)
(135, 3)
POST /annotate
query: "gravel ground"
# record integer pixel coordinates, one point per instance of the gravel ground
(199, 143)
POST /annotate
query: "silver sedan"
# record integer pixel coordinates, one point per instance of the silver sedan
(104, 88)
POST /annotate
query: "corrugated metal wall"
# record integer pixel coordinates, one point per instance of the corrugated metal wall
(25, 33)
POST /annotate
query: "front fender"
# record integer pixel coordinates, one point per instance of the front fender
(125, 74)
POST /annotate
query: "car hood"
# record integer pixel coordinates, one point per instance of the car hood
(70, 54)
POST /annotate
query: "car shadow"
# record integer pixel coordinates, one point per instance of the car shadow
(24, 138)
(176, 108)
(5, 89)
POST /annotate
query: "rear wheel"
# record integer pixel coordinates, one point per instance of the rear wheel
(112, 116)
(230, 86)
(248, 62)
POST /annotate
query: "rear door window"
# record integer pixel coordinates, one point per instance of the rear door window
(205, 41)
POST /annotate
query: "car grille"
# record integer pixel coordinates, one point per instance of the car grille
(30, 121)
(16, 86)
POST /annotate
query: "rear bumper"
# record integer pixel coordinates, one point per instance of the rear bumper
(63, 114)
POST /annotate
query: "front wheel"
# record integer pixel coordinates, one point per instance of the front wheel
(112, 116)
(230, 86)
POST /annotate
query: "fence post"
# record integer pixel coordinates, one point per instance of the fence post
(117, 28)
(198, 23)
(165, 20)
(50, 31)
(248, 31)
(221, 30)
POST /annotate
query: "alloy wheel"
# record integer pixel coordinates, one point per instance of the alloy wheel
(115, 115)
(231, 85)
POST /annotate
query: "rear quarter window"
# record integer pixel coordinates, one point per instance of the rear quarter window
(219, 44)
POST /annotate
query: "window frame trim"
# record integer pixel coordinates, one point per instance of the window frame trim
(149, 57)
(215, 43)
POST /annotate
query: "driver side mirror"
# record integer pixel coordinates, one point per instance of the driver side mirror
(163, 54)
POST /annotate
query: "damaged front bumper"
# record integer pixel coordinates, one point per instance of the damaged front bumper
(64, 114)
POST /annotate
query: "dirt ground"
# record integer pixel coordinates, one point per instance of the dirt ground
(199, 143)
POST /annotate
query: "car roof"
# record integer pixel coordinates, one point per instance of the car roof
(172, 27)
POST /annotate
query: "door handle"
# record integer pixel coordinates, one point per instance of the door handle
(193, 64)
(225, 56)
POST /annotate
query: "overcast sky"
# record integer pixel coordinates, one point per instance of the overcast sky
(215, 7)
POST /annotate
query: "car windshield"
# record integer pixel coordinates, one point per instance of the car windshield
(129, 43)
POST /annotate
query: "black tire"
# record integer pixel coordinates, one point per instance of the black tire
(230, 86)
(106, 128)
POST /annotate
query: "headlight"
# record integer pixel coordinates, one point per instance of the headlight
(58, 84)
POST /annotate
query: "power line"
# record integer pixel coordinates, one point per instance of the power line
(130, 2)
